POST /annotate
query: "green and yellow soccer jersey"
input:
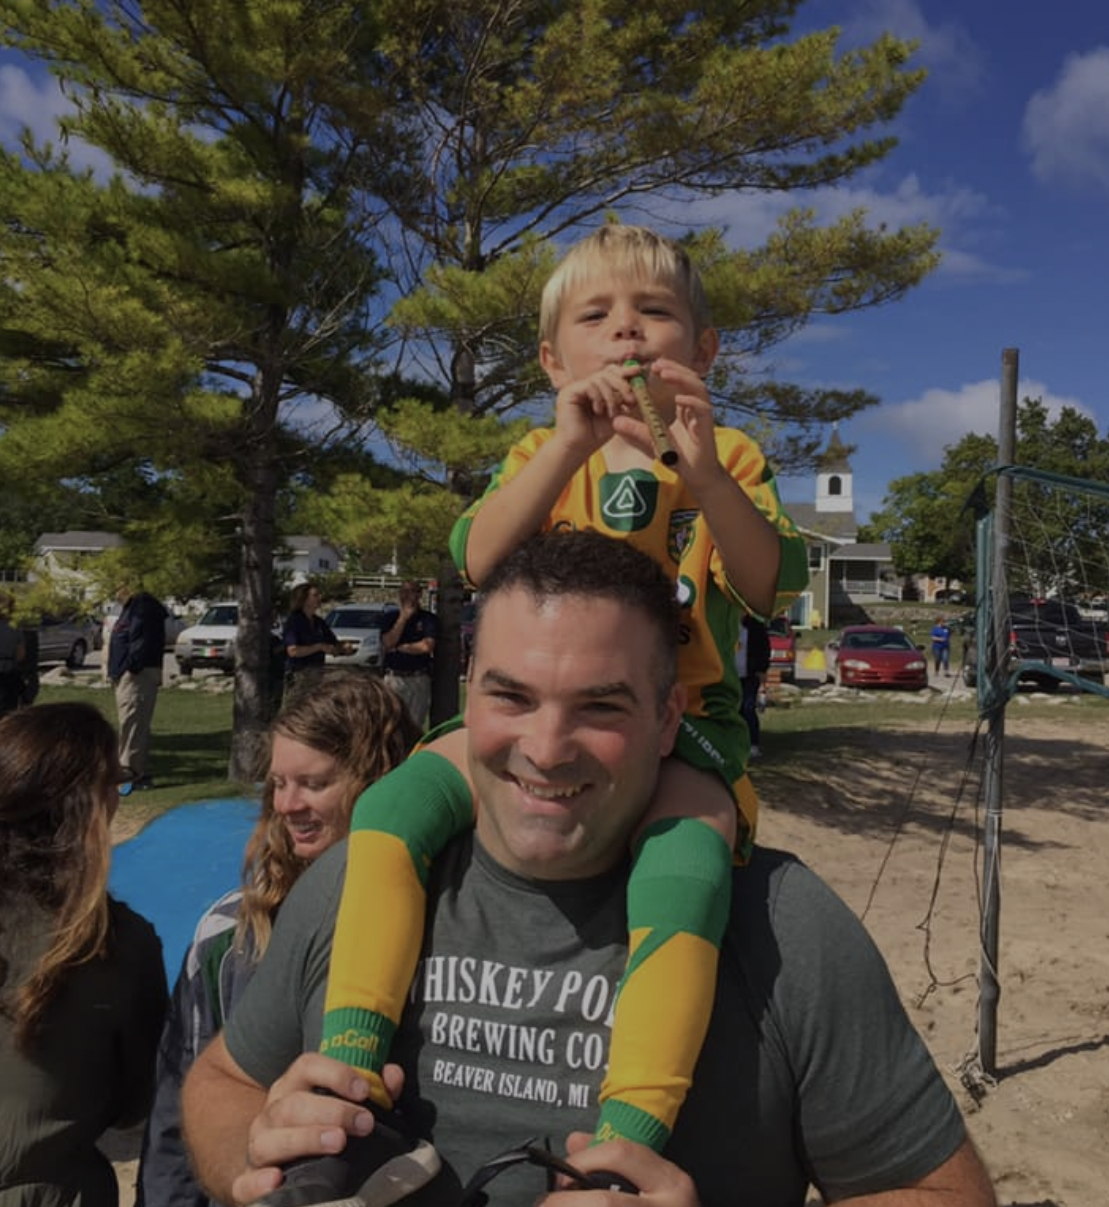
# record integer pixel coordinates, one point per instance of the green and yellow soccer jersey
(654, 510)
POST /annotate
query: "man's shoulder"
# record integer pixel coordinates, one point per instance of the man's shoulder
(314, 898)
(329, 868)
(779, 891)
(151, 606)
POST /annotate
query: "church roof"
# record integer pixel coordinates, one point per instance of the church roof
(839, 526)
(868, 552)
(833, 460)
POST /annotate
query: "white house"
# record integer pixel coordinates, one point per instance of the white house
(842, 573)
(300, 557)
(64, 556)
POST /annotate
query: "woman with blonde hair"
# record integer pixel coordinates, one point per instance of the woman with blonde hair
(82, 987)
(338, 730)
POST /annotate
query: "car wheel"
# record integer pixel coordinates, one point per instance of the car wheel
(185, 668)
(77, 654)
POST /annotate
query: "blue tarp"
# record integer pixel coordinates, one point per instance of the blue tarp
(175, 867)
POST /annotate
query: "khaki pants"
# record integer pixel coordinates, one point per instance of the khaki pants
(415, 691)
(136, 695)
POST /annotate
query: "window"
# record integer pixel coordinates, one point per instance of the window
(816, 556)
(835, 485)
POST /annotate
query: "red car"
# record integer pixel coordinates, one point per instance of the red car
(875, 655)
(783, 648)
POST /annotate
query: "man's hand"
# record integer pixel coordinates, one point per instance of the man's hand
(299, 1121)
(661, 1183)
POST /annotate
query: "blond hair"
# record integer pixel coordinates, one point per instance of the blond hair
(350, 715)
(624, 251)
(59, 775)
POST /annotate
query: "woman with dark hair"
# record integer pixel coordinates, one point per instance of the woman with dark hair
(308, 638)
(82, 987)
(338, 730)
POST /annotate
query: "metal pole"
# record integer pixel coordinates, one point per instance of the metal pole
(997, 669)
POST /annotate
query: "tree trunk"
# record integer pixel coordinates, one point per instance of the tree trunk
(254, 694)
(448, 645)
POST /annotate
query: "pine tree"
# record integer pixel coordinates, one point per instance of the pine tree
(220, 276)
(278, 161)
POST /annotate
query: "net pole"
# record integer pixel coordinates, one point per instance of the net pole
(996, 669)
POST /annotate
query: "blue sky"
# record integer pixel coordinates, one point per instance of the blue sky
(1005, 149)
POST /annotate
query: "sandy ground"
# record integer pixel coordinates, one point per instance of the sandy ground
(894, 822)
(896, 829)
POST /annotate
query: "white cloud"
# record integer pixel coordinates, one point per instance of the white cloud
(955, 210)
(27, 101)
(34, 101)
(954, 63)
(1066, 126)
(923, 427)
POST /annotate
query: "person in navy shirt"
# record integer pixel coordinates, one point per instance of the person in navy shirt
(408, 638)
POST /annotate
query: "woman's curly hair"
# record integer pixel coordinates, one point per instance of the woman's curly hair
(349, 714)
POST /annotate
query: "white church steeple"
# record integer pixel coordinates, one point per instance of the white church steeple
(835, 491)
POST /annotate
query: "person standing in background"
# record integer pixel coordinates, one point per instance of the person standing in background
(135, 652)
(941, 647)
(307, 637)
(408, 638)
(12, 654)
(752, 661)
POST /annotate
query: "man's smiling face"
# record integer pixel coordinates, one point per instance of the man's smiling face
(566, 730)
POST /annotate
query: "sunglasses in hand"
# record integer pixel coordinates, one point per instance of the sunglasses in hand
(532, 1153)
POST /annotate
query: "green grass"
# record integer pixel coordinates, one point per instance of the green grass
(190, 746)
(192, 733)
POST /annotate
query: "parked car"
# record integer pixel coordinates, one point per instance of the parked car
(175, 626)
(873, 655)
(1050, 634)
(66, 639)
(783, 648)
(209, 644)
(358, 626)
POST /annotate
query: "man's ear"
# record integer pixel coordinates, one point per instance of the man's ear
(708, 345)
(552, 364)
(672, 710)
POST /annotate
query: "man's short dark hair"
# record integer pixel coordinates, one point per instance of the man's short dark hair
(589, 564)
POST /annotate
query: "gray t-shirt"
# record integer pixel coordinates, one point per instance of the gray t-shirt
(811, 1073)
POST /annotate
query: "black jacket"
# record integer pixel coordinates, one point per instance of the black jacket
(758, 646)
(139, 637)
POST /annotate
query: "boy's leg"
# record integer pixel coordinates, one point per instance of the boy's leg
(679, 896)
(400, 824)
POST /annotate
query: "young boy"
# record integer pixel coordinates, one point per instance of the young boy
(623, 302)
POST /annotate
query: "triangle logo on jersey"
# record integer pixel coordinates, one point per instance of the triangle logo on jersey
(629, 500)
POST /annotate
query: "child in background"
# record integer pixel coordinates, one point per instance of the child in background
(623, 302)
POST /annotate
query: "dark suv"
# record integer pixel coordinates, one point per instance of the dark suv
(1049, 633)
